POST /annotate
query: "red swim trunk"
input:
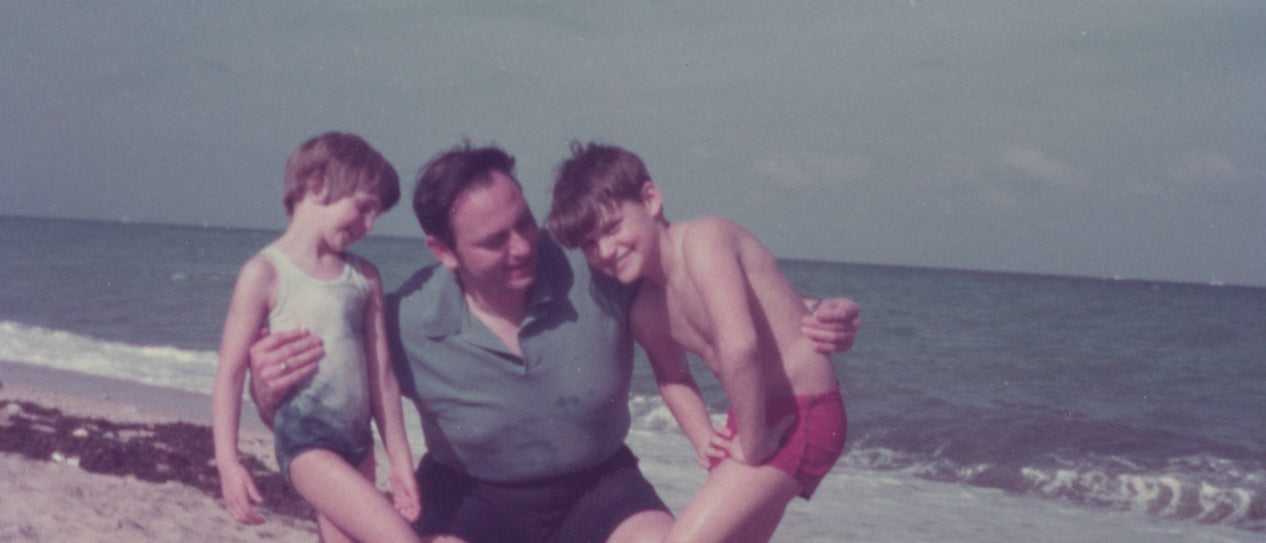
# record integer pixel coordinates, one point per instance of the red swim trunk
(814, 442)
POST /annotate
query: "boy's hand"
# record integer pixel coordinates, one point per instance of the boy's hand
(716, 449)
(727, 441)
(832, 324)
(240, 493)
(404, 495)
(280, 360)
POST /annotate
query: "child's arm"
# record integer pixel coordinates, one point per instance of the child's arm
(247, 312)
(714, 266)
(385, 395)
(676, 386)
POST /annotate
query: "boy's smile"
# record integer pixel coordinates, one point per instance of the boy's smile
(625, 242)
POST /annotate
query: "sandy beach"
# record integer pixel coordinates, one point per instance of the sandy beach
(86, 458)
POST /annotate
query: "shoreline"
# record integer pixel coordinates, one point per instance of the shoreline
(47, 500)
(88, 394)
(85, 457)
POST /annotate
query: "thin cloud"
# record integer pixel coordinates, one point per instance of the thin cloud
(1035, 165)
(801, 170)
(1203, 168)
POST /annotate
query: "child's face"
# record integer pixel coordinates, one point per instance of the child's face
(625, 242)
(350, 218)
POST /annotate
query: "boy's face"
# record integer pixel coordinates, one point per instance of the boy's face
(625, 242)
(350, 218)
(494, 238)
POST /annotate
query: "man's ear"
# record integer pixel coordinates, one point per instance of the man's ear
(652, 199)
(443, 253)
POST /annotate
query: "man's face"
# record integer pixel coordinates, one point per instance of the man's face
(494, 238)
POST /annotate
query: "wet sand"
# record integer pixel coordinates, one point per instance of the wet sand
(85, 458)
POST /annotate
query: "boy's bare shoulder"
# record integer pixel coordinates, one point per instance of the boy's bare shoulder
(710, 222)
(709, 238)
(709, 230)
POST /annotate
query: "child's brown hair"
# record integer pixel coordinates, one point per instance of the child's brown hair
(341, 164)
(596, 178)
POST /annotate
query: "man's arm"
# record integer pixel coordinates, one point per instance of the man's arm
(279, 361)
(832, 324)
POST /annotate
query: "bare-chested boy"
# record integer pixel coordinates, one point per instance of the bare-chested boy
(710, 287)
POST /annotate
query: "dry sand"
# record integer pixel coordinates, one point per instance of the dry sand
(86, 458)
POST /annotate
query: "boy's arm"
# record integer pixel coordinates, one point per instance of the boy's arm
(676, 386)
(246, 315)
(385, 395)
(713, 264)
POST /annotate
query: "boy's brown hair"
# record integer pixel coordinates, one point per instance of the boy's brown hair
(342, 164)
(595, 179)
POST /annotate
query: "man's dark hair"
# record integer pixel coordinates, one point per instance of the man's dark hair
(446, 176)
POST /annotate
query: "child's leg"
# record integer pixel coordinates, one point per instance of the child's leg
(327, 531)
(346, 500)
(737, 503)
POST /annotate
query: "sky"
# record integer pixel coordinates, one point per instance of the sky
(1118, 138)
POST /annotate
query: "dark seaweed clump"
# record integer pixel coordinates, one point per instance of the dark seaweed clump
(157, 453)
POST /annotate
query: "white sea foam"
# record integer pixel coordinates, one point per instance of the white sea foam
(894, 507)
(150, 364)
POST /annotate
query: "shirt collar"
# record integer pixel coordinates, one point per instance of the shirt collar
(439, 306)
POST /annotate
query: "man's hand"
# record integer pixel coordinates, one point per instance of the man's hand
(280, 360)
(832, 324)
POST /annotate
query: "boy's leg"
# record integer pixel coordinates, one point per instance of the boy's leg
(344, 497)
(737, 503)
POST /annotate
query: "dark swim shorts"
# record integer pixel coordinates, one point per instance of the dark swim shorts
(576, 507)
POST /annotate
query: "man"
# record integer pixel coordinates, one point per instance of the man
(519, 360)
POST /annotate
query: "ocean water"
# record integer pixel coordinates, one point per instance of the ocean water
(982, 406)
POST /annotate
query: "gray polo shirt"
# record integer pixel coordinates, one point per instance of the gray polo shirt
(562, 407)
